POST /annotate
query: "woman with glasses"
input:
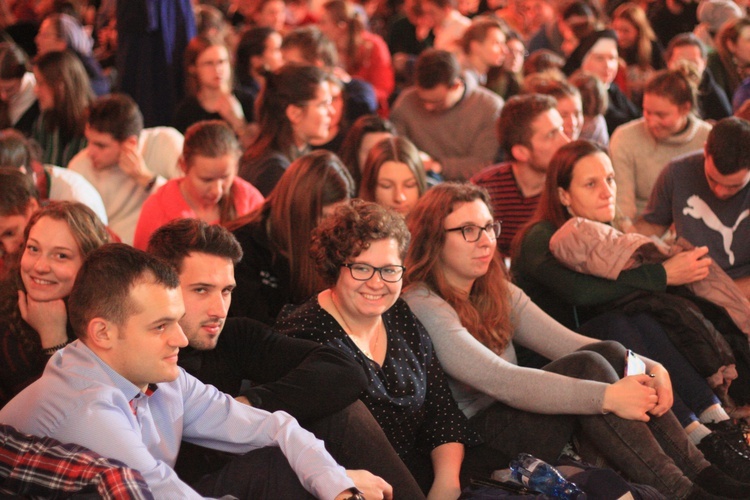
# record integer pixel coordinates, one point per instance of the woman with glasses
(294, 108)
(476, 319)
(359, 252)
(210, 91)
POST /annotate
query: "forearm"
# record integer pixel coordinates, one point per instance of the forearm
(744, 285)
(446, 463)
(649, 229)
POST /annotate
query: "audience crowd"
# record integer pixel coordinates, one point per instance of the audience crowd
(349, 249)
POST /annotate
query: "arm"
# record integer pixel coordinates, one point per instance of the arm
(624, 166)
(468, 361)
(576, 288)
(744, 285)
(657, 217)
(446, 463)
(298, 376)
(215, 420)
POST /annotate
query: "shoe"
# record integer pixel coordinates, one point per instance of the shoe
(713, 480)
(733, 431)
(724, 451)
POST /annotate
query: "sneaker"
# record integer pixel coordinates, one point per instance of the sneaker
(723, 450)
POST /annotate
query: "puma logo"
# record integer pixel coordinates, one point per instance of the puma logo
(699, 209)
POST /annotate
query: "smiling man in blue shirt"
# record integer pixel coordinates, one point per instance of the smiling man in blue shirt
(119, 391)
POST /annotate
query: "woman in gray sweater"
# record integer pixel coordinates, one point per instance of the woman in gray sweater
(473, 315)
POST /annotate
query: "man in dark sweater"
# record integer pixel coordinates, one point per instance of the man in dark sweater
(317, 385)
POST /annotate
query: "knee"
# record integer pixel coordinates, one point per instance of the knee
(614, 352)
(589, 364)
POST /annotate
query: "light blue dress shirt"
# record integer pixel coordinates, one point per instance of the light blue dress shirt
(80, 399)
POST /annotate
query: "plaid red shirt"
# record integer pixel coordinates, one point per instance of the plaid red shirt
(44, 467)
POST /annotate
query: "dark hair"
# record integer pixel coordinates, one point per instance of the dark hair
(103, 284)
(674, 85)
(543, 61)
(212, 139)
(364, 125)
(13, 61)
(293, 209)
(730, 31)
(518, 114)
(684, 40)
(13, 65)
(350, 231)
(16, 151)
(193, 51)
(252, 44)
(88, 232)
(345, 12)
(593, 93)
(117, 115)
(485, 312)
(292, 85)
(636, 16)
(176, 240)
(728, 144)
(479, 29)
(64, 73)
(313, 46)
(559, 175)
(17, 190)
(548, 84)
(397, 149)
(436, 67)
(209, 138)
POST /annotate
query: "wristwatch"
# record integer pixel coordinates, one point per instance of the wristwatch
(356, 494)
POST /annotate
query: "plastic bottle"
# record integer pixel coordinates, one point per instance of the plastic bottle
(540, 476)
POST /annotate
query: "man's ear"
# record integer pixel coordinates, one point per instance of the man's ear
(521, 153)
(181, 164)
(131, 140)
(100, 333)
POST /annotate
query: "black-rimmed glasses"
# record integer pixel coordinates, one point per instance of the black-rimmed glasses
(472, 232)
(363, 272)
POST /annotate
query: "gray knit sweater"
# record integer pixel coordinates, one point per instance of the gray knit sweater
(638, 159)
(478, 376)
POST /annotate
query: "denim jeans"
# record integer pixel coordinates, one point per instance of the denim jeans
(644, 335)
(656, 453)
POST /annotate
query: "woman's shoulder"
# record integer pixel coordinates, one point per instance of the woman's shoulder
(307, 320)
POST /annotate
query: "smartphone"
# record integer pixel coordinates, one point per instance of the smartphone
(633, 364)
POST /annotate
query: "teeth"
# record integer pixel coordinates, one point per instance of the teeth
(42, 282)
(371, 297)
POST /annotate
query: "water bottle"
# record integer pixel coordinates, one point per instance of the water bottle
(540, 476)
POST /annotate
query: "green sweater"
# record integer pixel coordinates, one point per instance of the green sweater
(569, 296)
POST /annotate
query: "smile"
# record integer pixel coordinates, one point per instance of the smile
(372, 297)
(40, 281)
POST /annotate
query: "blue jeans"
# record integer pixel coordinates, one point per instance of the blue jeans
(644, 335)
(656, 453)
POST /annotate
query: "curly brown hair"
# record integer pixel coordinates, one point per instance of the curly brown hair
(350, 231)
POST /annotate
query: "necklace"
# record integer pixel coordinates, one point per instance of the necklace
(350, 332)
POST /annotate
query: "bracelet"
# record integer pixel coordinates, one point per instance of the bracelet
(52, 350)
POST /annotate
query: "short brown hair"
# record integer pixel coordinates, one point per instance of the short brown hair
(117, 115)
(103, 284)
(350, 231)
(514, 124)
